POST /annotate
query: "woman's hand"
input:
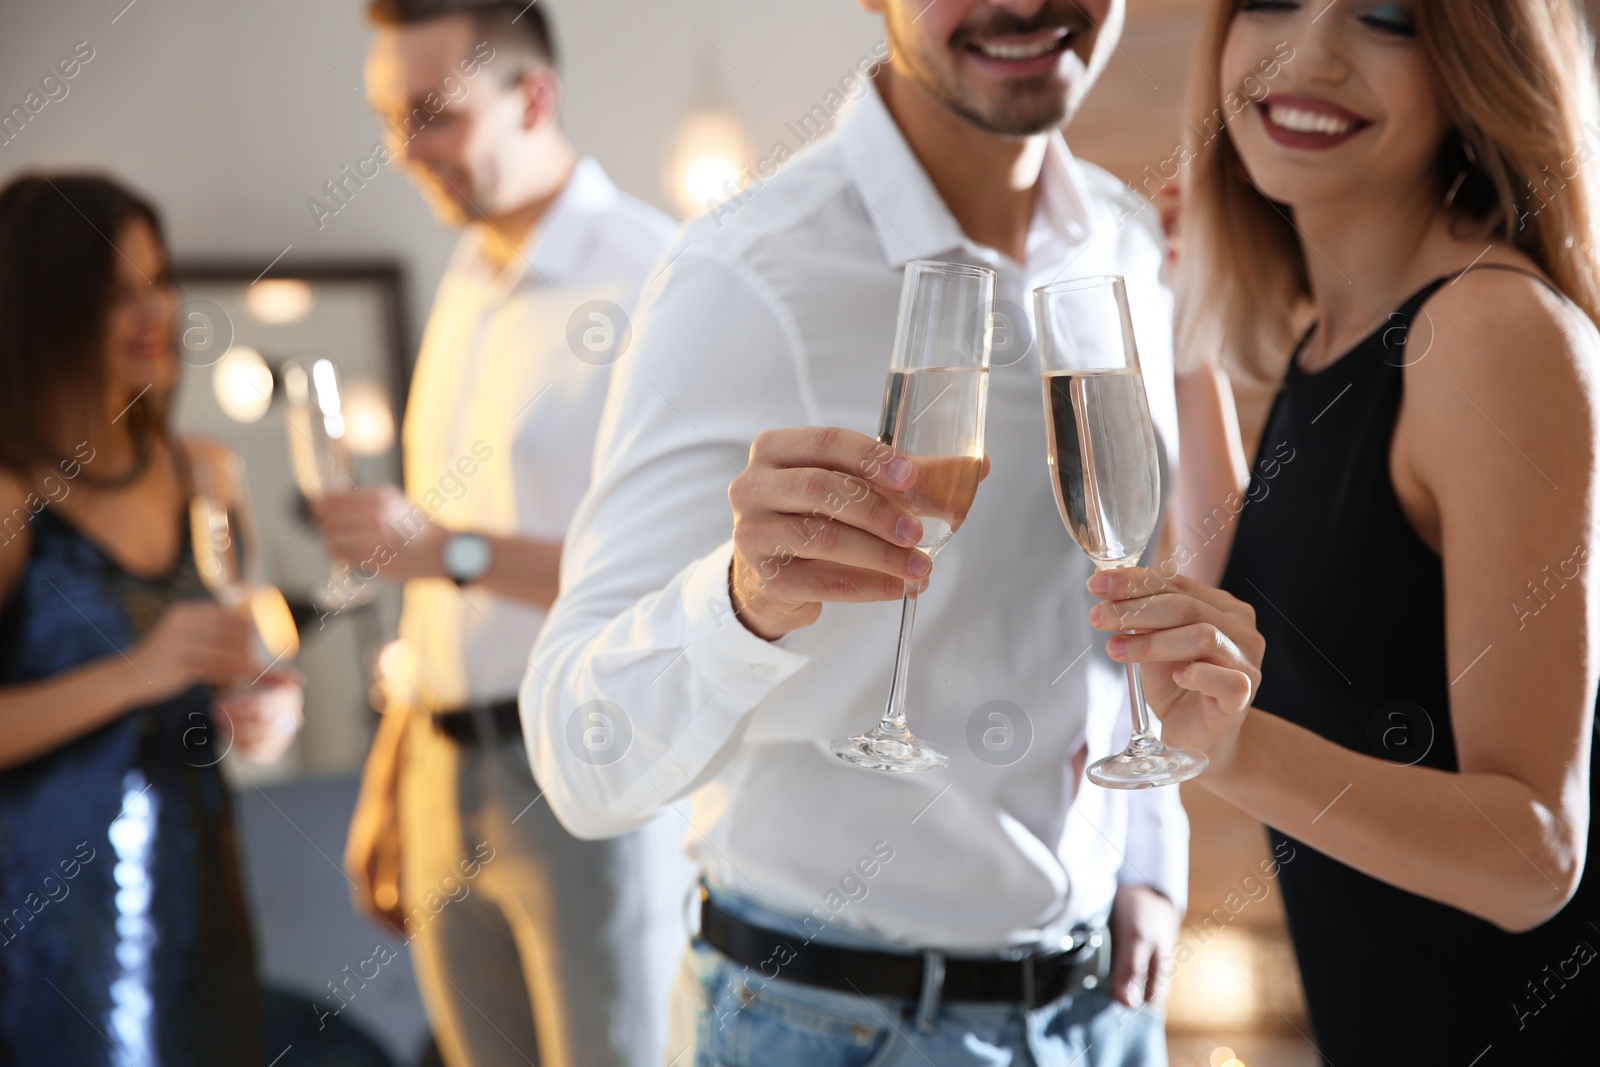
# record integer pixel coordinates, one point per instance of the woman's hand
(262, 721)
(193, 641)
(1199, 646)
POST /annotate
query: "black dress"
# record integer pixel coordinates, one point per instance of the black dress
(124, 939)
(1351, 603)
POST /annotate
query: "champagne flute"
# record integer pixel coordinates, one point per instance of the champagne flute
(1105, 471)
(933, 412)
(320, 458)
(222, 533)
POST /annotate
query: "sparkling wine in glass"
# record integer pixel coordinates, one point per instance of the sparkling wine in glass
(933, 412)
(1104, 467)
(222, 532)
(320, 458)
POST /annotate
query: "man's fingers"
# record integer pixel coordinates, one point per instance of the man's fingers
(1130, 966)
(836, 449)
(823, 581)
(810, 496)
(782, 538)
(1156, 986)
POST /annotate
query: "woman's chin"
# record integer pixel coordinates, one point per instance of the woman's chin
(139, 375)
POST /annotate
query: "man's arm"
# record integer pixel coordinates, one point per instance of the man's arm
(382, 534)
(640, 685)
(642, 675)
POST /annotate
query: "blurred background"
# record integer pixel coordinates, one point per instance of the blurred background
(244, 120)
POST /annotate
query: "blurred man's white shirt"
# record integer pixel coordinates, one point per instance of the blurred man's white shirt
(502, 409)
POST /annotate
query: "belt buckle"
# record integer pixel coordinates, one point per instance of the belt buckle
(1030, 985)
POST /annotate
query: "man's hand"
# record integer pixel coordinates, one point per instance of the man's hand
(820, 514)
(1144, 929)
(372, 851)
(378, 529)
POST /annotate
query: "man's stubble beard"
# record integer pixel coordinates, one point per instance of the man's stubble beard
(1018, 118)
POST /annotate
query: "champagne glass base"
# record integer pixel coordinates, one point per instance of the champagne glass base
(1146, 768)
(877, 750)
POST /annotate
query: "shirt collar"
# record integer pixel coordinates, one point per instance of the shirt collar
(557, 245)
(555, 248)
(908, 214)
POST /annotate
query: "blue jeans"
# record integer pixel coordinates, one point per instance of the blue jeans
(733, 1016)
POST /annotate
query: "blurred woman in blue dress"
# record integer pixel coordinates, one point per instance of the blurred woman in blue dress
(123, 933)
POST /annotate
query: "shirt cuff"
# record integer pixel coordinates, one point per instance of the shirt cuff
(719, 646)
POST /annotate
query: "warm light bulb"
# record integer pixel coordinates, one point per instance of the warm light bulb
(710, 152)
(1218, 984)
(279, 301)
(368, 419)
(242, 383)
(707, 179)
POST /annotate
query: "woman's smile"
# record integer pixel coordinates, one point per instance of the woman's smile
(1307, 122)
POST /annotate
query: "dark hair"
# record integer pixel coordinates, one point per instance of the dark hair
(57, 265)
(517, 25)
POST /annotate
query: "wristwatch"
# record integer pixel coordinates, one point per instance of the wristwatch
(466, 556)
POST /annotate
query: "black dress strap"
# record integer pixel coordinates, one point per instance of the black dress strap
(1513, 268)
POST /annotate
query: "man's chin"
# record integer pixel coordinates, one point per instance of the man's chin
(1020, 115)
(450, 213)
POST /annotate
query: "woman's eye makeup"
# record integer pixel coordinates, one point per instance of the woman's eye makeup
(1393, 18)
(1397, 19)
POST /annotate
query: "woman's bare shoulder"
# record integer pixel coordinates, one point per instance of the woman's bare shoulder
(1504, 363)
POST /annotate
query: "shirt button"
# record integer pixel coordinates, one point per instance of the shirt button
(763, 670)
(674, 769)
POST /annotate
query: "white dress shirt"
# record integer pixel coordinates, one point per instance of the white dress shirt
(781, 313)
(502, 413)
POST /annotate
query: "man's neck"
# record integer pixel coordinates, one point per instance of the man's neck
(987, 181)
(503, 235)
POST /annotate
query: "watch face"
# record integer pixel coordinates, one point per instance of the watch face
(466, 557)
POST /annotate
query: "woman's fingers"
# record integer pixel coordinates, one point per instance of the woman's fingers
(1144, 601)
(1231, 689)
(1136, 583)
(1162, 611)
(1200, 642)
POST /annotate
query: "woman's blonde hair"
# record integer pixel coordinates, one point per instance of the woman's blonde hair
(1517, 80)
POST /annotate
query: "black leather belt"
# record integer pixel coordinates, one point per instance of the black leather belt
(462, 726)
(1031, 981)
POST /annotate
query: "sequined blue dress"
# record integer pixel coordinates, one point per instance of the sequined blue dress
(124, 938)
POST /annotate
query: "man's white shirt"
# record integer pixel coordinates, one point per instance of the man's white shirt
(779, 311)
(501, 417)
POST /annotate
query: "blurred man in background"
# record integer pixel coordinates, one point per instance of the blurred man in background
(560, 950)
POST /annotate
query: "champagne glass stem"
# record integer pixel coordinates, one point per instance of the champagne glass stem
(894, 714)
(1141, 711)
